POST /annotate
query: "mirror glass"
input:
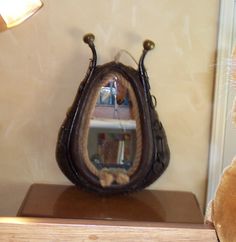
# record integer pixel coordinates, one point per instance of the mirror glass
(114, 137)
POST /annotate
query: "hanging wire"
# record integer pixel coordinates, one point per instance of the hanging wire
(122, 51)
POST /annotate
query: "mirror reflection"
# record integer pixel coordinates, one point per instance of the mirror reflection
(112, 139)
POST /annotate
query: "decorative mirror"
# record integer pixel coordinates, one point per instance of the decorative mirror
(112, 140)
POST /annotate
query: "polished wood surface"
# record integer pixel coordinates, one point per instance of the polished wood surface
(59, 201)
(46, 229)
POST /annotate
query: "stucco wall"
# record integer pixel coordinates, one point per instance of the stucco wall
(43, 61)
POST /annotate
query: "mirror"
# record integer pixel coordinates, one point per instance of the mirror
(114, 133)
(112, 140)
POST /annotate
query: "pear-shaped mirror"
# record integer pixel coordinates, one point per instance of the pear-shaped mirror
(112, 140)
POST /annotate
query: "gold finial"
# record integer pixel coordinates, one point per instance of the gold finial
(148, 45)
(89, 38)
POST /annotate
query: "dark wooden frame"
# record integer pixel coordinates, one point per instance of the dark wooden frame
(155, 151)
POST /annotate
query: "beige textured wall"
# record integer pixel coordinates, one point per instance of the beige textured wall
(43, 60)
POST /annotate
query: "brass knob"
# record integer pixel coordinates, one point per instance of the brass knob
(89, 38)
(148, 45)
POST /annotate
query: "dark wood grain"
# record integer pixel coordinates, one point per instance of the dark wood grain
(59, 201)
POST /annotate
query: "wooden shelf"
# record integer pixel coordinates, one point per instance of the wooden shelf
(46, 229)
(65, 213)
(58, 201)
